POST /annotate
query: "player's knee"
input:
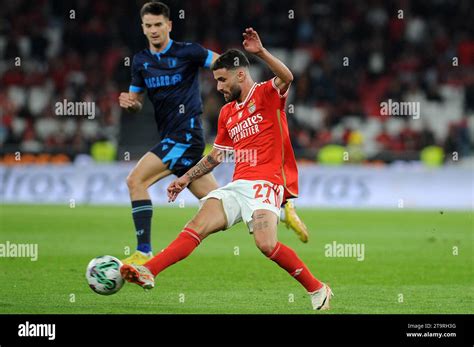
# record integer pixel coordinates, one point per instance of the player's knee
(265, 246)
(133, 182)
(203, 226)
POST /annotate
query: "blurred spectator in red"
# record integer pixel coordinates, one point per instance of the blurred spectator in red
(384, 140)
(409, 137)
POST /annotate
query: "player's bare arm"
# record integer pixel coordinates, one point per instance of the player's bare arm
(203, 167)
(132, 102)
(253, 44)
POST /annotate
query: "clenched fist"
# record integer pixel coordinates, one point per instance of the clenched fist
(129, 103)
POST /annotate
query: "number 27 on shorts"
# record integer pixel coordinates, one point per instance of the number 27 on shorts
(269, 189)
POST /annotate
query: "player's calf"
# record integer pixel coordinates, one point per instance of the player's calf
(210, 218)
(264, 229)
(287, 259)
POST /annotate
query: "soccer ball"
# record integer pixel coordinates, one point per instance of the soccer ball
(103, 275)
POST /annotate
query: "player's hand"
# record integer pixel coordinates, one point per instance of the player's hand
(127, 102)
(177, 186)
(252, 42)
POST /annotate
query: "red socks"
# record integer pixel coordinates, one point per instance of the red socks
(188, 240)
(177, 250)
(286, 258)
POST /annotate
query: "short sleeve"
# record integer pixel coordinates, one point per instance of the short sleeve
(273, 94)
(271, 88)
(137, 85)
(200, 55)
(223, 141)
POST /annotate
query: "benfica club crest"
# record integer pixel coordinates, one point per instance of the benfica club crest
(251, 107)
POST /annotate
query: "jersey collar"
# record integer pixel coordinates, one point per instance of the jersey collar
(237, 105)
(168, 46)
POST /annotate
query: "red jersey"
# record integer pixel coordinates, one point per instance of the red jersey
(257, 131)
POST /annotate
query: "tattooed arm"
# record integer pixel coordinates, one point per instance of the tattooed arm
(205, 165)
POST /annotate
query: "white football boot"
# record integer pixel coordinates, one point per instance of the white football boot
(138, 274)
(320, 298)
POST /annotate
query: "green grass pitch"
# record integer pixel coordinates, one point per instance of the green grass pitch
(415, 262)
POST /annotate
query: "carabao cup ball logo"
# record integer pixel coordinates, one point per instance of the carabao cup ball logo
(99, 273)
(103, 275)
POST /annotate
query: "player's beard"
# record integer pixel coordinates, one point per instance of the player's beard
(235, 92)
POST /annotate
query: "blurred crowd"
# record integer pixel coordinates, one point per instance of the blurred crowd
(347, 58)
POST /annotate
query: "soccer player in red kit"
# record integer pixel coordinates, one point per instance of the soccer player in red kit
(253, 126)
